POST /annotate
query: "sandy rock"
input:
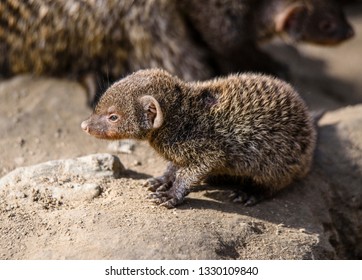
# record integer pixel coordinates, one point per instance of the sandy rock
(61, 181)
(97, 165)
(339, 163)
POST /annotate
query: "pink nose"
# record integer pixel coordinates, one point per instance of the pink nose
(84, 126)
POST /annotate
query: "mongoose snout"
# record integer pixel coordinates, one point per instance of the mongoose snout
(84, 126)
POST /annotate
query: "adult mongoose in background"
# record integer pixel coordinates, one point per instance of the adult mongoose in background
(96, 41)
(246, 125)
(233, 30)
(99, 41)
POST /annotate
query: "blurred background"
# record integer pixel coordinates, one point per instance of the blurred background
(327, 77)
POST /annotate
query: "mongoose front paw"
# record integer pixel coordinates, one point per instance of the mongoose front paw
(156, 184)
(152, 184)
(165, 199)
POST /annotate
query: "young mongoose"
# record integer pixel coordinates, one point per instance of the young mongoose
(246, 125)
(233, 30)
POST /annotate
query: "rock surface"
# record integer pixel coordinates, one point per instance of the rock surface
(60, 182)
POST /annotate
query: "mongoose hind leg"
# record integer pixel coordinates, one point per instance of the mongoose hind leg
(251, 193)
(247, 199)
(245, 191)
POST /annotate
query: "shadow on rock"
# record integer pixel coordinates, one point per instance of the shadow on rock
(129, 173)
(339, 163)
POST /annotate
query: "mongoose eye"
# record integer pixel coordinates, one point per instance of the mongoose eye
(327, 26)
(113, 118)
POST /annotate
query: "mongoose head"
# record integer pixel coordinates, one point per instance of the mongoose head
(131, 107)
(320, 22)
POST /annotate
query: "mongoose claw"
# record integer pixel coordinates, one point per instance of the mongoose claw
(163, 188)
(161, 200)
(252, 200)
(244, 198)
(164, 199)
(170, 203)
(157, 195)
(238, 196)
(157, 185)
(152, 184)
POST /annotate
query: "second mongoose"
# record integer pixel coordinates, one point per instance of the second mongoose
(246, 125)
(233, 30)
(100, 41)
(96, 41)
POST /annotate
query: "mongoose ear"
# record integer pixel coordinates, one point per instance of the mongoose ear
(291, 19)
(152, 110)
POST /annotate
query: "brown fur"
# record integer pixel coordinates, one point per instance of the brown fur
(104, 39)
(233, 30)
(243, 125)
(99, 41)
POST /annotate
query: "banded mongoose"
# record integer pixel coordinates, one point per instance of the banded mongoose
(99, 41)
(233, 30)
(96, 41)
(247, 125)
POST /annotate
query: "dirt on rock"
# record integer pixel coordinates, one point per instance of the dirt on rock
(316, 218)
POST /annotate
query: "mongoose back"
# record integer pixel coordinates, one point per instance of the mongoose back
(98, 39)
(233, 30)
(246, 125)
